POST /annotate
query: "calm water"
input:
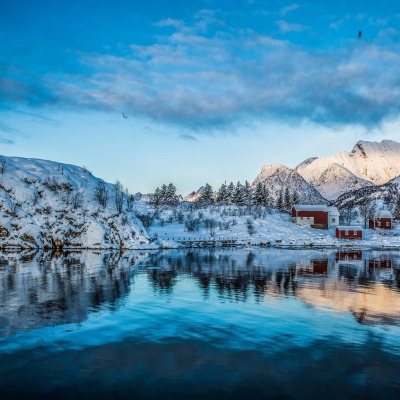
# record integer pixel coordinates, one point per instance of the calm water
(241, 324)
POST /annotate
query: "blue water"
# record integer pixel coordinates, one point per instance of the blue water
(259, 323)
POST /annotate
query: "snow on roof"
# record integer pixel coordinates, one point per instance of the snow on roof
(334, 211)
(383, 214)
(310, 207)
(349, 228)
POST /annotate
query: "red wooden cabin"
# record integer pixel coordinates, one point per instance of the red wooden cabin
(349, 232)
(382, 220)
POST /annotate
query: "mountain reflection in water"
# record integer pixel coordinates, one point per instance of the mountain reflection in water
(235, 323)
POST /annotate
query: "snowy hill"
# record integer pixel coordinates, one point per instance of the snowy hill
(278, 177)
(369, 163)
(44, 204)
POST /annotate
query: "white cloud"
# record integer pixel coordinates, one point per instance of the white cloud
(283, 11)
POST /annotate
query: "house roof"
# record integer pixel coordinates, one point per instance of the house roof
(310, 207)
(316, 207)
(349, 228)
(334, 211)
(383, 214)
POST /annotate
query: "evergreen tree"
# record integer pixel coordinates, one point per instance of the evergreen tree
(230, 194)
(171, 197)
(247, 193)
(155, 197)
(239, 195)
(279, 201)
(222, 195)
(206, 197)
(396, 213)
(257, 198)
(296, 198)
(287, 201)
(267, 201)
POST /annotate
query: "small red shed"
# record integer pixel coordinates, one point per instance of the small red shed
(382, 220)
(349, 232)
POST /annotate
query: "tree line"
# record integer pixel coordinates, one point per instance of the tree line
(239, 195)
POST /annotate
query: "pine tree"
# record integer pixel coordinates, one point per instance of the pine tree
(296, 198)
(163, 194)
(396, 213)
(156, 198)
(222, 195)
(247, 193)
(171, 197)
(279, 201)
(230, 194)
(257, 198)
(287, 201)
(206, 197)
(238, 195)
(267, 201)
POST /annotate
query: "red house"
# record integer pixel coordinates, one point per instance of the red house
(382, 220)
(349, 232)
(317, 216)
(346, 255)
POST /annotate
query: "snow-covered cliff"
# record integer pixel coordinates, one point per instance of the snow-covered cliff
(44, 204)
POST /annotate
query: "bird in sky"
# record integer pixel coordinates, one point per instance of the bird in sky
(124, 115)
(359, 34)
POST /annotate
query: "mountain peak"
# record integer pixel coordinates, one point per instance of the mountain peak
(368, 163)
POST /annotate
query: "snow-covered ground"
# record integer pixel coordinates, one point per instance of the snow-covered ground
(274, 228)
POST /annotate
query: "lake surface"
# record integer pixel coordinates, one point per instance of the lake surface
(200, 324)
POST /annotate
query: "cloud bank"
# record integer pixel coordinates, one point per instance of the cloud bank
(206, 75)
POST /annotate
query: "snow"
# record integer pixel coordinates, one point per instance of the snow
(274, 228)
(369, 163)
(349, 228)
(278, 177)
(383, 214)
(37, 209)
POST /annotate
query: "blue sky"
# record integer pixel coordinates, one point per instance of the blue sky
(213, 90)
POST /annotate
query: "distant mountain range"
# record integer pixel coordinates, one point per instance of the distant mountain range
(371, 167)
(368, 164)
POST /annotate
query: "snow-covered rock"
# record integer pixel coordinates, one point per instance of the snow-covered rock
(44, 204)
(369, 163)
(278, 177)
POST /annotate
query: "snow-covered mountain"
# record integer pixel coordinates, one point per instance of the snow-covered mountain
(194, 196)
(369, 163)
(44, 204)
(387, 192)
(278, 177)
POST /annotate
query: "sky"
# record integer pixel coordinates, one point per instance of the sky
(213, 90)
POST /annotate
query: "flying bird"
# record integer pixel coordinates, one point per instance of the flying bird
(124, 115)
(359, 35)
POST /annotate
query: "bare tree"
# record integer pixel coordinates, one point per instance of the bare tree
(367, 210)
(347, 213)
(101, 194)
(77, 200)
(3, 165)
(118, 198)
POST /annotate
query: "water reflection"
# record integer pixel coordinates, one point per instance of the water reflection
(363, 283)
(214, 323)
(51, 288)
(40, 289)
